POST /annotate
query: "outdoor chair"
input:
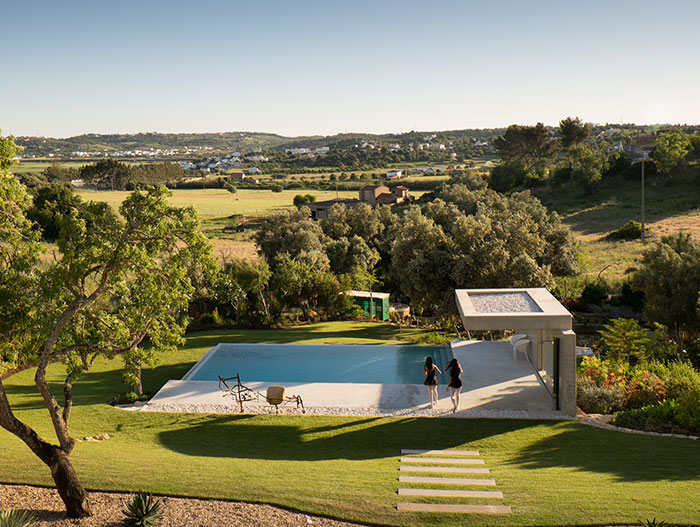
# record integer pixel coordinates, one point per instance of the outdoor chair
(275, 395)
(520, 345)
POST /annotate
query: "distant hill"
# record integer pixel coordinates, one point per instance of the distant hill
(229, 141)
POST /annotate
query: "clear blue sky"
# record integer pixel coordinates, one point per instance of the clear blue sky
(323, 67)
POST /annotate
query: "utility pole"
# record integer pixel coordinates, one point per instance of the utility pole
(644, 155)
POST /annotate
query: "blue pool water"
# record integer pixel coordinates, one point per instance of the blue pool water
(320, 363)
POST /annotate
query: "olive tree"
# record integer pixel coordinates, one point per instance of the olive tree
(117, 279)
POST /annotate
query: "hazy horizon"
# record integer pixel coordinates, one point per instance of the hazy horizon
(349, 132)
(315, 68)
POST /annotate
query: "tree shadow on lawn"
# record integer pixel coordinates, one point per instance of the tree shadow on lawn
(629, 457)
(306, 333)
(294, 438)
(91, 388)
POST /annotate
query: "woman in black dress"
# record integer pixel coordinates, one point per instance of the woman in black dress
(455, 384)
(431, 379)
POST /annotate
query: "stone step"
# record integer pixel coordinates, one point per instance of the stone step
(447, 481)
(455, 461)
(451, 493)
(439, 507)
(441, 452)
(461, 470)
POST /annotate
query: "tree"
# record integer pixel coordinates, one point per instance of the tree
(301, 285)
(587, 165)
(119, 279)
(106, 174)
(8, 152)
(477, 239)
(294, 233)
(301, 199)
(670, 279)
(624, 340)
(242, 288)
(52, 203)
(670, 149)
(573, 131)
(533, 145)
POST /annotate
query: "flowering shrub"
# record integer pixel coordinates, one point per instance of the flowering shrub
(602, 372)
(643, 389)
(637, 386)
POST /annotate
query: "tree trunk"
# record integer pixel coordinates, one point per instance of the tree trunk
(68, 485)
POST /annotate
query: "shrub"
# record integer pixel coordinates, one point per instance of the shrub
(623, 340)
(602, 372)
(644, 388)
(13, 518)
(276, 188)
(652, 418)
(679, 377)
(433, 338)
(632, 230)
(128, 398)
(592, 398)
(688, 412)
(142, 511)
(632, 297)
(594, 294)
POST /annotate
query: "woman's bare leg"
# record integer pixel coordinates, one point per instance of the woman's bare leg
(454, 395)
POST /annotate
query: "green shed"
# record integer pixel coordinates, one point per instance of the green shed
(380, 301)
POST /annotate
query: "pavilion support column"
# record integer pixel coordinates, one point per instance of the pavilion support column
(567, 372)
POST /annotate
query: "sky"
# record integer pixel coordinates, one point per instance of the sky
(326, 67)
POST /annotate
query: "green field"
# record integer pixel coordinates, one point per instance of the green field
(670, 207)
(550, 473)
(213, 203)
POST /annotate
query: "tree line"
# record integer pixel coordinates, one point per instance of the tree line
(533, 155)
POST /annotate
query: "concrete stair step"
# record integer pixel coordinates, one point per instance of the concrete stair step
(447, 481)
(455, 461)
(453, 470)
(441, 452)
(451, 493)
(439, 507)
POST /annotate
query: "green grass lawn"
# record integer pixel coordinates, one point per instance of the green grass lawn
(551, 473)
(219, 202)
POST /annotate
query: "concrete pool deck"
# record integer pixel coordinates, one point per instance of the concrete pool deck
(494, 386)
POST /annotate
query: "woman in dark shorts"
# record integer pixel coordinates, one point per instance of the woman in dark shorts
(431, 379)
(455, 384)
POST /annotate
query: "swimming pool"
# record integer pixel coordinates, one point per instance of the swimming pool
(372, 364)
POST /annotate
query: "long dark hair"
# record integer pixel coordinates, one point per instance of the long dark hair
(428, 364)
(454, 364)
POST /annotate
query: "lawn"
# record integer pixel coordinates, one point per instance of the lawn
(551, 473)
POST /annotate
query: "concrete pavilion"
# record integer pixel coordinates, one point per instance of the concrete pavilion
(533, 312)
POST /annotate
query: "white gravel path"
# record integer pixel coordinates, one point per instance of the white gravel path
(423, 411)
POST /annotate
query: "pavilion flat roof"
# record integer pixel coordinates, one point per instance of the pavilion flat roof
(528, 308)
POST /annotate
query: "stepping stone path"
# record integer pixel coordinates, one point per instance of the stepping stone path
(415, 461)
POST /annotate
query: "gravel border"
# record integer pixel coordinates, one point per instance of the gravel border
(49, 511)
(419, 411)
